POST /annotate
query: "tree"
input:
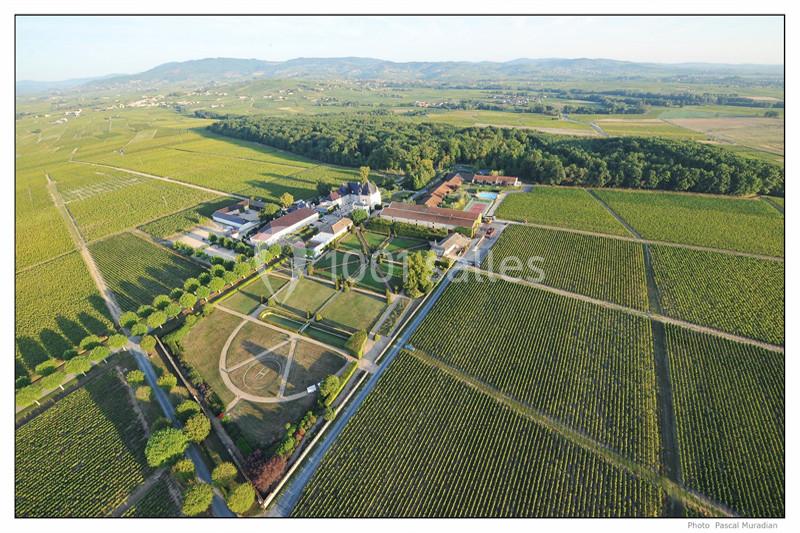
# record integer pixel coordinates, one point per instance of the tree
(69, 353)
(157, 319)
(53, 381)
(135, 377)
(286, 200)
(143, 393)
(28, 395)
(174, 309)
(224, 474)
(144, 311)
(78, 365)
(269, 211)
(117, 341)
(99, 353)
(197, 427)
(265, 472)
(186, 409)
(165, 445)
(197, 499)
(167, 381)
(419, 273)
(421, 172)
(89, 342)
(329, 386)
(161, 302)
(148, 343)
(128, 319)
(363, 172)
(323, 189)
(358, 216)
(139, 329)
(191, 284)
(216, 284)
(355, 344)
(188, 300)
(176, 293)
(203, 292)
(241, 499)
(183, 470)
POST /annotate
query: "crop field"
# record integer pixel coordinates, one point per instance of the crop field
(564, 207)
(157, 503)
(169, 225)
(589, 367)
(439, 453)
(712, 221)
(729, 408)
(642, 127)
(741, 295)
(137, 271)
(40, 233)
(500, 119)
(607, 269)
(86, 467)
(56, 304)
(354, 310)
(106, 201)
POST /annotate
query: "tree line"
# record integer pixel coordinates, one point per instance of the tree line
(382, 141)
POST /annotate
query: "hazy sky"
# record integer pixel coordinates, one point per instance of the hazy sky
(56, 48)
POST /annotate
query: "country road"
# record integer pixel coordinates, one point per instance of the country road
(289, 496)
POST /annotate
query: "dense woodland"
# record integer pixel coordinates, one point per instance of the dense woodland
(382, 141)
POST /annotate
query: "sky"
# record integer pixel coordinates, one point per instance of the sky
(58, 48)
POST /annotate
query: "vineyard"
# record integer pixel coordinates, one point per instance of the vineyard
(106, 201)
(730, 412)
(424, 444)
(57, 304)
(607, 269)
(717, 222)
(86, 467)
(740, 295)
(589, 367)
(563, 207)
(157, 503)
(177, 222)
(137, 271)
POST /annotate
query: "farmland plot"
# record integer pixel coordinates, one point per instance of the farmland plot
(138, 271)
(740, 295)
(717, 222)
(729, 408)
(86, 467)
(587, 366)
(557, 206)
(438, 452)
(607, 269)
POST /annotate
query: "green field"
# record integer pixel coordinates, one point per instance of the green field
(177, 222)
(105, 201)
(589, 367)
(157, 503)
(740, 295)
(730, 414)
(86, 467)
(712, 221)
(354, 310)
(607, 269)
(305, 295)
(137, 271)
(440, 451)
(56, 304)
(248, 298)
(563, 207)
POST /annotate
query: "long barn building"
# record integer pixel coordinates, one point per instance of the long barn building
(431, 217)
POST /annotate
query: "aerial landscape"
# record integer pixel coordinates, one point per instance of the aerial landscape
(534, 284)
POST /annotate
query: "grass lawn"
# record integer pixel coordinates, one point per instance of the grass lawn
(325, 336)
(247, 299)
(560, 206)
(399, 245)
(335, 264)
(263, 423)
(355, 310)
(202, 347)
(252, 340)
(310, 365)
(372, 280)
(305, 295)
(350, 243)
(374, 240)
(260, 377)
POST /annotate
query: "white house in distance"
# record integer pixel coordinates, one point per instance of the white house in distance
(328, 234)
(241, 217)
(353, 195)
(283, 226)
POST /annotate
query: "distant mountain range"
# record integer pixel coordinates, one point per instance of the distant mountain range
(222, 70)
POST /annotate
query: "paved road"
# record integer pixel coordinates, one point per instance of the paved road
(285, 502)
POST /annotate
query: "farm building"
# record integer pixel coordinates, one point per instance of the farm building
(242, 216)
(448, 186)
(353, 195)
(431, 217)
(451, 246)
(328, 234)
(501, 181)
(283, 226)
